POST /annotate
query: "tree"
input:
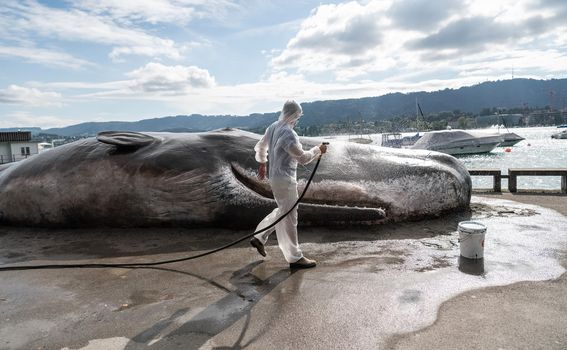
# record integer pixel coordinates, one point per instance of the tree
(439, 124)
(463, 122)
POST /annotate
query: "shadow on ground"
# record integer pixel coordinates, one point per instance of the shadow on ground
(207, 323)
(21, 244)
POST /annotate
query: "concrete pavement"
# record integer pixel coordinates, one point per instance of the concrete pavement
(393, 286)
(525, 315)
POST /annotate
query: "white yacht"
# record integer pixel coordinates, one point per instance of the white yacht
(560, 135)
(508, 138)
(457, 142)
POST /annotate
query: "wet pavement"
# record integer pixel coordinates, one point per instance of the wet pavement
(377, 287)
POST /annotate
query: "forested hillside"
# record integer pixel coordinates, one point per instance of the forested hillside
(508, 94)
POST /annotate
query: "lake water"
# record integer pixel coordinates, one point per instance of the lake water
(538, 150)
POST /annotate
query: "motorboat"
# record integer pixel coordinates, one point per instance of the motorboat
(457, 142)
(560, 135)
(396, 140)
(510, 139)
(410, 140)
(392, 139)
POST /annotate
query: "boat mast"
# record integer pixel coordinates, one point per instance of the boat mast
(418, 112)
(416, 115)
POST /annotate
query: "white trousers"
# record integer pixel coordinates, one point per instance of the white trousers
(285, 194)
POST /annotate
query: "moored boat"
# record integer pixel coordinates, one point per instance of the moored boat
(456, 142)
(510, 139)
(560, 135)
(392, 139)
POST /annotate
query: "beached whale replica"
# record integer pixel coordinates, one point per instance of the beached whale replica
(208, 179)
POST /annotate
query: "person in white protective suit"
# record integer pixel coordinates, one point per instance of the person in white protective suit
(281, 149)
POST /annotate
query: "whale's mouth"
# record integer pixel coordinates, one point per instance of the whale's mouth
(352, 201)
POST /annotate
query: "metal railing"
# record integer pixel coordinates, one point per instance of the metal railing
(14, 157)
(513, 174)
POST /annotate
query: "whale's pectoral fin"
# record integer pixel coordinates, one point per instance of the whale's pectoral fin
(125, 139)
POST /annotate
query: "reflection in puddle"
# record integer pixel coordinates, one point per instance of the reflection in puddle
(471, 266)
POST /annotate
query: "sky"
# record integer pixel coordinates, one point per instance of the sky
(67, 62)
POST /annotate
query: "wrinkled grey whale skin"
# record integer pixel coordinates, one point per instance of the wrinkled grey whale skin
(208, 179)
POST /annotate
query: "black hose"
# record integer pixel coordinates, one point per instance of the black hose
(94, 266)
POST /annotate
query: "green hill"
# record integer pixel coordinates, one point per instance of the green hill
(515, 93)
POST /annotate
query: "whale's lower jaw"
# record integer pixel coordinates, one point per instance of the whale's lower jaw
(335, 199)
(331, 203)
(327, 215)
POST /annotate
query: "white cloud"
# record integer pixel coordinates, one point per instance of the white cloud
(33, 19)
(176, 12)
(80, 85)
(478, 32)
(44, 56)
(166, 48)
(422, 15)
(159, 78)
(193, 90)
(152, 11)
(335, 36)
(153, 81)
(28, 119)
(389, 39)
(29, 96)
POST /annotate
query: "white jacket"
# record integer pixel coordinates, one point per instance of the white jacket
(280, 147)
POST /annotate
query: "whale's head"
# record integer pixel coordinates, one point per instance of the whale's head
(363, 180)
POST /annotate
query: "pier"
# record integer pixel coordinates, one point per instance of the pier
(513, 174)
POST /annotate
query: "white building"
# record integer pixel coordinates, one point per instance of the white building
(17, 145)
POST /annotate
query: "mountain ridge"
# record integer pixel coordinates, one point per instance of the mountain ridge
(513, 93)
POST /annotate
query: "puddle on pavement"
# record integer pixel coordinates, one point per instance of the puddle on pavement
(471, 266)
(140, 298)
(522, 243)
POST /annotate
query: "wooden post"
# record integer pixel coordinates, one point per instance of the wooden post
(512, 184)
(497, 182)
(564, 184)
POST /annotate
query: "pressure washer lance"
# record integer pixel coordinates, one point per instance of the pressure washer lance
(142, 264)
